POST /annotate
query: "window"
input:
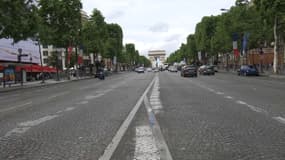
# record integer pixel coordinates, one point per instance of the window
(45, 46)
(45, 60)
(45, 53)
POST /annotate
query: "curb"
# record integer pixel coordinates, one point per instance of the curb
(40, 85)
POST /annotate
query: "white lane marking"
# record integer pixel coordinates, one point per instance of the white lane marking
(241, 102)
(17, 130)
(229, 97)
(69, 109)
(256, 109)
(123, 128)
(253, 108)
(25, 126)
(156, 107)
(155, 103)
(145, 147)
(211, 90)
(280, 119)
(15, 107)
(37, 121)
(83, 102)
(59, 112)
(220, 93)
(159, 139)
(58, 95)
(93, 97)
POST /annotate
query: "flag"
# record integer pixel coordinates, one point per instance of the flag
(235, 45)
(69, 54)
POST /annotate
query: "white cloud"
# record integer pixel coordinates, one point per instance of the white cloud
(156, 24)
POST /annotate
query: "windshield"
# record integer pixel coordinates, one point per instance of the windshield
(142, 80)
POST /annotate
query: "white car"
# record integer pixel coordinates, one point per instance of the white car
(140, 70)
(149, 69)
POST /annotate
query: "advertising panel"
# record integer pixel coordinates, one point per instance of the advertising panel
(9, 51)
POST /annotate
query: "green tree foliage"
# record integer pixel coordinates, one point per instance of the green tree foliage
(114, 42)
(273, 12)
(18, 19)
(213, 35)
(94, 33)
(131, 53)
(143, 61)
(62, 21)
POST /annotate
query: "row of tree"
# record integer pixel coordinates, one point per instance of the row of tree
(61, 24)
(261, 22)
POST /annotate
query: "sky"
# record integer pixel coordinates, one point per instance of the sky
(156, 24)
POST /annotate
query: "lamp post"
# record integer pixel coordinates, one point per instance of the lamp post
(57, 65)
(20, 50)
(31, 60)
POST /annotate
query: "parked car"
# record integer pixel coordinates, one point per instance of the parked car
(248, 70)
(207, 70)
(172, 69)
(189, 71)
(140, 70)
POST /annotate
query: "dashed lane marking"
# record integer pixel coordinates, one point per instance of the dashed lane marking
(145, 146)
(15, 107)
(25, 126)
(280, 119)
(229, 97)
(58, 95)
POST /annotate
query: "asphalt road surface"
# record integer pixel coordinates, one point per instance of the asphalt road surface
(149, 116)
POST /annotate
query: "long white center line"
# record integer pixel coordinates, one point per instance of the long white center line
(120, 133)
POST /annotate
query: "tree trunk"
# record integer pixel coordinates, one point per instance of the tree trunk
(275, 61)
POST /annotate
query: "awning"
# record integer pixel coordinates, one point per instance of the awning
(36, 69)
(1, 68)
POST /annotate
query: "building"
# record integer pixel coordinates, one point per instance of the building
(157, 57)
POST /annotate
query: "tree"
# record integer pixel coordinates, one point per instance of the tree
(273, 12)
(62, 21)
(131, 53)
(114, 42)
(18, 19)
(95, 33)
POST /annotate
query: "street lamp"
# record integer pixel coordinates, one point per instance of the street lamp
(224, 10)
(31, 60)
(57, 65)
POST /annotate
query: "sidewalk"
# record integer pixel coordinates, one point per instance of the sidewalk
(265, 74)
(38, 84)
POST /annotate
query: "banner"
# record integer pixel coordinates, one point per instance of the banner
(69, 54)
(9, 51)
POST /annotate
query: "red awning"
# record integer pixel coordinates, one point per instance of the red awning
(36, 69)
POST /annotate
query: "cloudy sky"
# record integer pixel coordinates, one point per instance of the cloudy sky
(156, 24)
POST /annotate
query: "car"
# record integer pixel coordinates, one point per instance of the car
(149, 69)
(156, 70)
(248, 70)
(215, 68)
(140, 70)
(189, 71)
(206, 70)
(172, 69)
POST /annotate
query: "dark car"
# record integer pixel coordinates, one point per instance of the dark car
(207, 70)
(248, 70)
(189, 71)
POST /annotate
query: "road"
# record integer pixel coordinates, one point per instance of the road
(146, 116)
